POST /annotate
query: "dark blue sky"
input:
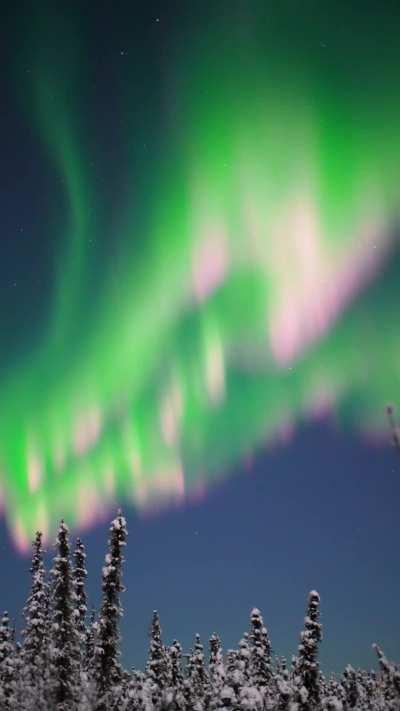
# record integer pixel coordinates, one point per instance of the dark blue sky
(320, 512)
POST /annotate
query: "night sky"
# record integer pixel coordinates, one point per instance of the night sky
(199, 289)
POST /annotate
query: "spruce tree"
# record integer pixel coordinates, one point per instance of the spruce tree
(216, 663)
(79, 610)
(233, 676)
(244, 658)
(107, 669)
(177, 700)
(350, 686)
(156, 670)
(284, 689)
(197, 676)
(307, 668)
(216, 670)
(175, 653)
(34, 651)
(63, 670)
(79, 602)
(138, 698)
(20, 695)
(90, 636)
(8, 681)
(260, 652)
(390, 678)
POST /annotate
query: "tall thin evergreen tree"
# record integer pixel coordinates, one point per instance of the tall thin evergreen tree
(8, 681)
(307, 668)
(197, 676)
(79, 601)
(216, 662)
(34, 655)
(79, 610)
(90, 638)
(107, 669)
(157, 670)
(176, 692)
(244, 658)
(216, 670)
(63, 670)
(260, 651)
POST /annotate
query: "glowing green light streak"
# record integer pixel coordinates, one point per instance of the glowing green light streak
(220, 324)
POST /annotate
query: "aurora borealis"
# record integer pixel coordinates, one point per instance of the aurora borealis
(237, 279)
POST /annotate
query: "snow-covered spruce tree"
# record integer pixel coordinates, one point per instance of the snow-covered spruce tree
(79, 602)
(350, 686)
(175, 696)
(79, 611)
(306, 666)
(89, 644)
(120, 698)
(227, 697)
(332, 694)
(34, 650)
(106, 666)
(197, 685)
(244, 658)
(260, 653)
(216, 670)
(64, 672)
(367, 685)
(175, 654)
(233, 676)
(8, 680)
(282, 683)
(157, 666)
(20, 696)
(250, 698)
(88, 668)
(390, 679)
(137, 695)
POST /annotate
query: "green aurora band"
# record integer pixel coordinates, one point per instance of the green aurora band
(256, 289)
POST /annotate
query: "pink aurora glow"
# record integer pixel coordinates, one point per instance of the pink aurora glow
(310, 282)
(171, 409)
(210, 261)
(314, 285)
(21, 539)
(164, 485)
(35, 469)
(215, 369)
(87, 430)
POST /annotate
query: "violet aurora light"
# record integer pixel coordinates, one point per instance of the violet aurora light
(244, 279)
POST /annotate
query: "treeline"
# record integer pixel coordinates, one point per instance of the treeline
(67, 662)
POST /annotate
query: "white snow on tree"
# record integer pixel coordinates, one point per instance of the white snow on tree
(307, 668)
(8, 653)
(34, 654)
(64, 684)
(106, 666)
